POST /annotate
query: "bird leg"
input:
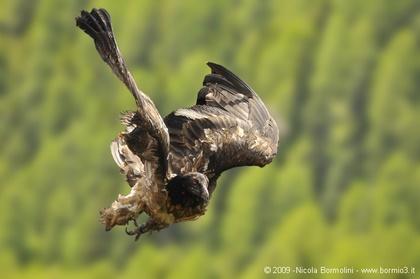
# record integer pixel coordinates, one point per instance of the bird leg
(124, 209)
(149, 226)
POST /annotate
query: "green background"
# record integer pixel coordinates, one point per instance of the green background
(342, 78)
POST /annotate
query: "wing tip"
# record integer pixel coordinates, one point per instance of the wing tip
(231, 77)
(216, 68)
(94, 22)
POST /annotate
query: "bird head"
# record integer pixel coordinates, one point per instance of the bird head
(189, 190)
(197, 184)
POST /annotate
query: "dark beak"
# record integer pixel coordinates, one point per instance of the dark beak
(202, 192)
(205, 195)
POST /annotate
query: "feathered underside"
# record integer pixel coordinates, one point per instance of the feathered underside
(172, 163)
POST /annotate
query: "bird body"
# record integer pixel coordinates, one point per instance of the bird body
(172, 164)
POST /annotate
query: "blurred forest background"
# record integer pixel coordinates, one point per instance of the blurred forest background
(344, 190)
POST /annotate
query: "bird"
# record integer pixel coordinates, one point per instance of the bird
(172, 163)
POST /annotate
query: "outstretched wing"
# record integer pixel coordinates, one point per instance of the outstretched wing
(228, 127)
(140, 151)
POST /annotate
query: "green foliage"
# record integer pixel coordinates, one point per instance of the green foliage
(341, 77)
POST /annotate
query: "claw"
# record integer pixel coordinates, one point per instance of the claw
(138, 231)
(137, 237)
(149, 226)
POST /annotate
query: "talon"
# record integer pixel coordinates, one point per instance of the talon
(138, 231)
(137, 237)
(132, 232)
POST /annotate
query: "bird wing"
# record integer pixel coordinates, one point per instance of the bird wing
(140, 151)
(228, 127)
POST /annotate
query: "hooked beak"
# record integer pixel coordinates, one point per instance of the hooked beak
(201, 192)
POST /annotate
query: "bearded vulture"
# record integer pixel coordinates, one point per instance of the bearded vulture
(172, 163)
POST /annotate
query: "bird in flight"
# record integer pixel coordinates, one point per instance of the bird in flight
(172, 164)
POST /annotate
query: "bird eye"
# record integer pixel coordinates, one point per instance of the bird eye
(194, 181)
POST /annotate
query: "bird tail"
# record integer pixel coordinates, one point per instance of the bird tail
(97, 24)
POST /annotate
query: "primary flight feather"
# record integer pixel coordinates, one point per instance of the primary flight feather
(172, 163)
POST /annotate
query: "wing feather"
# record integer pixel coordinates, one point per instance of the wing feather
(228, 127)
(140, 151)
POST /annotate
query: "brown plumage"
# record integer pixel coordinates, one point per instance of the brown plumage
(172, 163)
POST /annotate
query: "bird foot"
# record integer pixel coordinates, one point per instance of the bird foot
(138, 231)
(149, 226)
